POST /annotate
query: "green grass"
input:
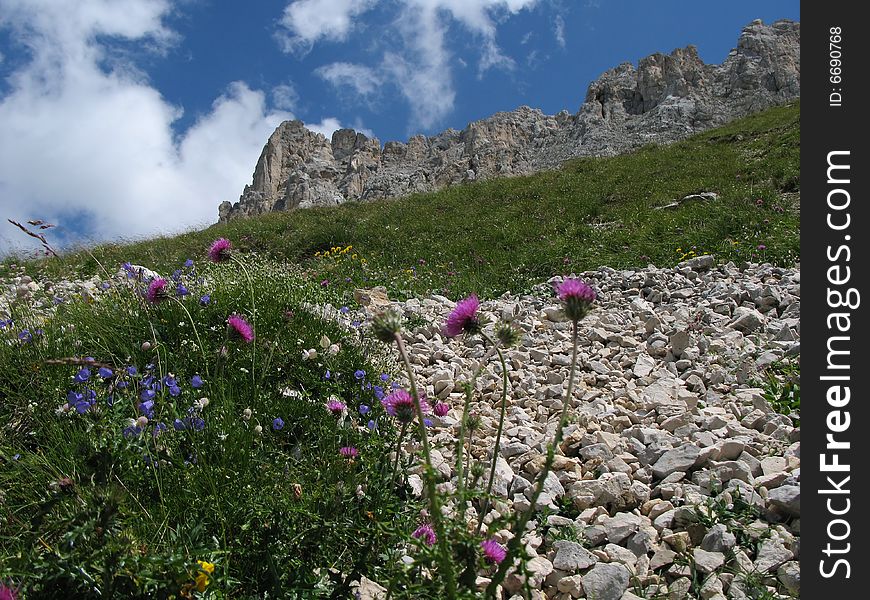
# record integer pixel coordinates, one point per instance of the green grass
(90, 507)
(782, 388)
(507, 234)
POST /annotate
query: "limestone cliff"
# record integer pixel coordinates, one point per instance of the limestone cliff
(665, 98)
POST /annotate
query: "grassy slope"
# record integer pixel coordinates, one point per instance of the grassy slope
(508, 233)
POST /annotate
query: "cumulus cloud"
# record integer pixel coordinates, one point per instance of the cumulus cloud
(309, 21)
(420, 65)
(89, 144)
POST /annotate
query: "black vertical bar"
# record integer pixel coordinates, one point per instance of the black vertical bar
(834, 301)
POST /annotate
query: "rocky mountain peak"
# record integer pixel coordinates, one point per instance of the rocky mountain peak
(664, 98)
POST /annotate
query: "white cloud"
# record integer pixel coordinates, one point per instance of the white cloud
(327, 126)
(309, 21)
(284, 96)
(83, 137)
(559, 30)
(363, 80)
(420, 65)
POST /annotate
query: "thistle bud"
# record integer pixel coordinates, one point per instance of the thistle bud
(386, 325)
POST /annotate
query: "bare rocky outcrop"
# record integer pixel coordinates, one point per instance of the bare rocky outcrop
(665, 98)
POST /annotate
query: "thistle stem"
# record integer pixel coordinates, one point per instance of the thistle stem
(444, 557)
(515, 542)
(460, 439)
(497, 448)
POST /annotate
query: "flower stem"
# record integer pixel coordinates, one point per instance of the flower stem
(398, 451)
(253, 323)
(460, 439)
(196, 333)
(515, 543)
(497, 448)
(444, 558)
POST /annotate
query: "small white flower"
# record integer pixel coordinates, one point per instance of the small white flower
(310, 354)
(243, 370)
(142, 421)
(334, 349)
(258, 429)
(247, 413)
(202, 403)
(325, 342)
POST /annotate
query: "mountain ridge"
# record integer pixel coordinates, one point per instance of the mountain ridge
(665, 98)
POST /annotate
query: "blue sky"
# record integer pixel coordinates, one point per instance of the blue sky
(128, 118)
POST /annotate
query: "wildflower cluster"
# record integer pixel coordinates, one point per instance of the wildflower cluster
(455, 545)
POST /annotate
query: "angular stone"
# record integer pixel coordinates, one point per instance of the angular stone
(771, 555)
(718, 539)
(606, 581)
(707, 562)
(682, 459)
(571, 556)
(786, 499)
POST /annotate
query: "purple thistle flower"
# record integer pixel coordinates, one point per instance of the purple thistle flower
(278, 424)
(156, 291)
(762, 247)
(493, 552)
(220, 250)
(577, 297)
(336, 407)
(400, 404)
(241, 328)
(574, 288)
(464, 318)
(349, 452)
(426, 533)
(441, 409)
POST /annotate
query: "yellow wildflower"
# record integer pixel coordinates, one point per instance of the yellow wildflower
(201, 578)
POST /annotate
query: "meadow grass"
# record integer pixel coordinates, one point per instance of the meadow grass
(103, 494)
(508, 234)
